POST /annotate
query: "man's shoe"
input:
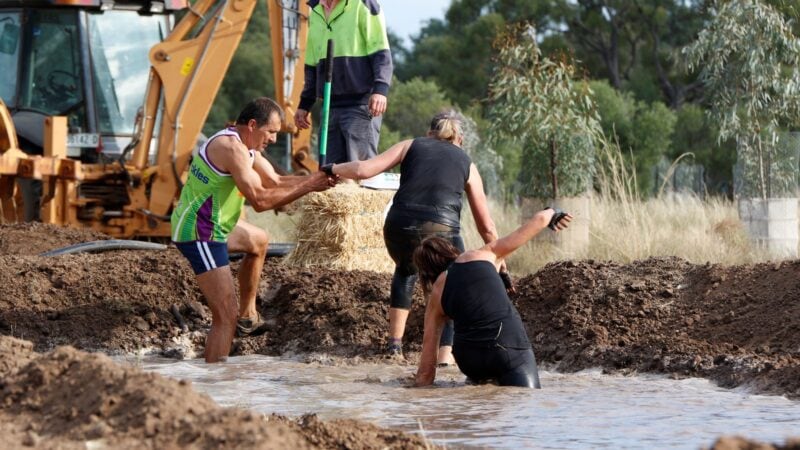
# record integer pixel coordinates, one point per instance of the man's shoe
(248, 326)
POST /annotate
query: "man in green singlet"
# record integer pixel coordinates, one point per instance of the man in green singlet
(228, 169)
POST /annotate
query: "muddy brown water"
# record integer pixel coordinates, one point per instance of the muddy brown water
(576, 410)
(736, 326)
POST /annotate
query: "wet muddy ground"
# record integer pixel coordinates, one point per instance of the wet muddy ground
(738, 326)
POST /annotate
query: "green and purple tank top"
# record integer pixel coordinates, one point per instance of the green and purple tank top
(210, 203)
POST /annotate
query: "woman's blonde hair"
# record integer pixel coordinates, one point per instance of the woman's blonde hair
(446, 126)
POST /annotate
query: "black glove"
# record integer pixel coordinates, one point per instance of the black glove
(557, 216)
(327, 168)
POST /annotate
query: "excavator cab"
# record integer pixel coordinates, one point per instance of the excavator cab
(87, 60)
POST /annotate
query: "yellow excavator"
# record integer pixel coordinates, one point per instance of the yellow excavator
(103, 102)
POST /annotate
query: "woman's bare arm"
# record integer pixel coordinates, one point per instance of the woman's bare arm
(359, 170)
(434, 323)
(479, 205)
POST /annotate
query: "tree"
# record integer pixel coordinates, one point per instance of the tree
(747, 57)
(540, 103)
(696, 133)
(458, 60)
(632, 43)
(413, 103)
(604, 27)
(643, 130)
(457, 52)
(669, 25)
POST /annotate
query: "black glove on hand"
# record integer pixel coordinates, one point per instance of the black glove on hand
(327, 168)
(557, 216)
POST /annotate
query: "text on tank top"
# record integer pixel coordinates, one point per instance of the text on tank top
(210, 203)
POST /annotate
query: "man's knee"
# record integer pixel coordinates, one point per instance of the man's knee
(260, 241)
(255, 241)
(224, 309)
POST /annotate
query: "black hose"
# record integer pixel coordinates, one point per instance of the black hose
(177, 314)
(275, 249)
(106, 245)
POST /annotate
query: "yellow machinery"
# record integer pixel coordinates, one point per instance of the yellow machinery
(105, 101)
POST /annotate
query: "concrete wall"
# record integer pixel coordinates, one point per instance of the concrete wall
(772, 224)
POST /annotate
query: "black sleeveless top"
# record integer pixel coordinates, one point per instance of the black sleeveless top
(475, 298)
(432, 179)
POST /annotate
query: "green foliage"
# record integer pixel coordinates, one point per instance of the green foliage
(653, 126)
(696, 133)
(411, 106)
(644, 131)
(388, 138)
(538, 102)
(747, 57)
(457, 61)
(616, 110)
(249, 75)
(500, 168)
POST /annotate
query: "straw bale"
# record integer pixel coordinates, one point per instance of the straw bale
(342, 228)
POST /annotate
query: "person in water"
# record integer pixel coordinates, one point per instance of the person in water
(490, 342)
(435, 175)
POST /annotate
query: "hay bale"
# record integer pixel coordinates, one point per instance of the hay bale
(342, 228)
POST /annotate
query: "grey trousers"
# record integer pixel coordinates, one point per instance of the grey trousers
(352, 134)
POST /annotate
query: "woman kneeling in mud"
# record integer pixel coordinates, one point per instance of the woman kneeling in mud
(490, 343)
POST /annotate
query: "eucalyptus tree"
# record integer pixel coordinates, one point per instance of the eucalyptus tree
(457, 52)
(541, 104)
(747, 57)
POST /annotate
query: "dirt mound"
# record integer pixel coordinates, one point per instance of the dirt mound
(66, 397)
(739, 443)
(34, 238)
(735, 325)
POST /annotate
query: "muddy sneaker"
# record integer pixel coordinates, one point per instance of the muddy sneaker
(251, 327)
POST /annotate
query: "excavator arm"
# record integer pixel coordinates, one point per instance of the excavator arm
(288, 22)
(187, 70)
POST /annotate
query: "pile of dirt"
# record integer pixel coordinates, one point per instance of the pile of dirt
(740, 443)
(67, 398)
(734, 325)
(34, 238)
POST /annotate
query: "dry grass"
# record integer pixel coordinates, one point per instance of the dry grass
(687, 227)
(624, 228)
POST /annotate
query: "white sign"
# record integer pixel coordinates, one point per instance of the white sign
(88, 140)
(383, 181)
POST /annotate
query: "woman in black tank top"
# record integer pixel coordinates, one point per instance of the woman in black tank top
(490, 342)
(434, 174)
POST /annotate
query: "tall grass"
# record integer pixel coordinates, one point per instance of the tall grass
(624, 227)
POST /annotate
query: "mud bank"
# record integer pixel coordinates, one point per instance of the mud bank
(70, 399)
(734, 325)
